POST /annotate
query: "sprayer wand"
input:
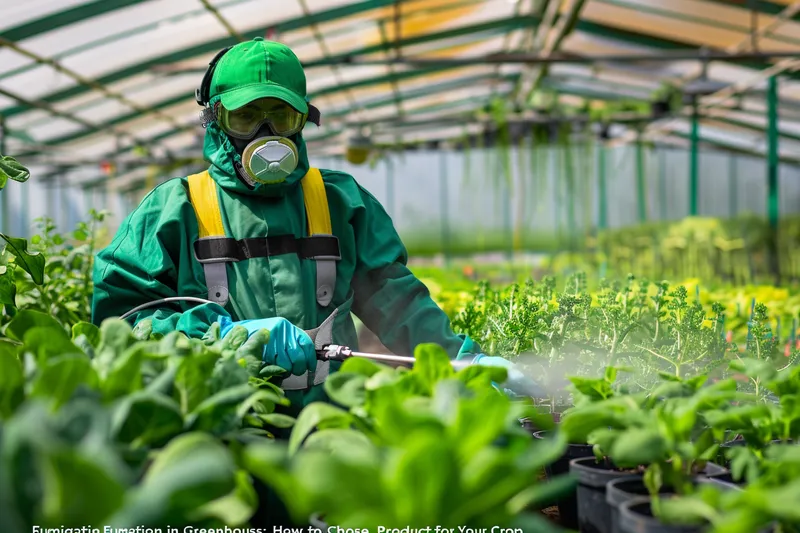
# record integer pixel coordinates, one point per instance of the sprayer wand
(334, 352)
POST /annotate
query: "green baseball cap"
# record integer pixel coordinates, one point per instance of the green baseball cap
(259, 69)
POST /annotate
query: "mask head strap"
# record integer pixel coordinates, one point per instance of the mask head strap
(201, 94)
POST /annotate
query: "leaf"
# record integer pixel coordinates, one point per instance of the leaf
(49, 342)
(360, 365)
(227, 373)
(33, 264)
(77, 490)
(543, 494)
(338, 440)
(638, 447)
(125, 374)
(346, 389)
(58, 378)
(29, 319)
(88, 330)
(147, 419)
(315, 415)
(234, 509)
(278, 420)
(115, 337)
(12, 381)
(431, 364)
(192, 379)
(11, 169)
(8, 287)
(219, 413)
(190, 472)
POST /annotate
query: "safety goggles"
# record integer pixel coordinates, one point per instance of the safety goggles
(283, 120)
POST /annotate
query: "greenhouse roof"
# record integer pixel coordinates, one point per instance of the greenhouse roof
(113, 80)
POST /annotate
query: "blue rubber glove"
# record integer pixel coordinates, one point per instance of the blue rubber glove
(289, 347)
(516, 382)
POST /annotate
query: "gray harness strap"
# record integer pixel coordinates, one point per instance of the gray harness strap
(322, 336)
(217, 277)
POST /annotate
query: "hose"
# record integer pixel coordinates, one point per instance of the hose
(165, 301)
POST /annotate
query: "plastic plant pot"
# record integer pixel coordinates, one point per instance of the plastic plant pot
(567, 506)
(623, 489)
(594, 513)
(636, 516)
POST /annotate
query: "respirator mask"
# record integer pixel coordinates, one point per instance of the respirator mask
(260, 132)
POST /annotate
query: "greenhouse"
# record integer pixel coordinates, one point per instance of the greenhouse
(400, 266)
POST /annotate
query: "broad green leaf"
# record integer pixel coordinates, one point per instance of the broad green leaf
(316, 415)
(115, 337)
(538, 496)
(638, 447)
(76, 490)
(414, 484)
(8, 287)
(432, 364)
(33, 264)
(125, 373)
(262, 401)
(336, 440)
(147, 419)
(88, 330)
(58, 378)
(12, 381)
(346, 389)
(227, 373)
(278, 420)
(234, 509)
(269, 371)
(28, 319)
(219, 413)
(189, 473)
(48, 342)
(360, 365)
(192, 380)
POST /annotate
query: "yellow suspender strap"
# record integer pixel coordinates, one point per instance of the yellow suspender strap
(203, 194)
(319, 217)
(319, 223)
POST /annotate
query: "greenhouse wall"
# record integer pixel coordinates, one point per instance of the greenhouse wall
(467, 201)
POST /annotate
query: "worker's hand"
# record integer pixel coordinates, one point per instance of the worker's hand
(516, 383)
(289, 347)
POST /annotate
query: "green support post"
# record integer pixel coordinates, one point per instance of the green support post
(772, 153)
(694, 162)
(733, 186)
(443, 213)
(662, 184)
(4, 194)
(641, 193)
(602, 200)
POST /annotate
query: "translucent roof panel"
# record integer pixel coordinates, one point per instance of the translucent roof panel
(91, 79)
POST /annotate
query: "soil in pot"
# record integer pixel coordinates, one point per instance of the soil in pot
(636, 516)
(567, 506)
(594, 513)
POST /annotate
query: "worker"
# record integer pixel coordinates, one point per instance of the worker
(264, 241)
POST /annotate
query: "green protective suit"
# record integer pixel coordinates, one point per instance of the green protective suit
(151, 257)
